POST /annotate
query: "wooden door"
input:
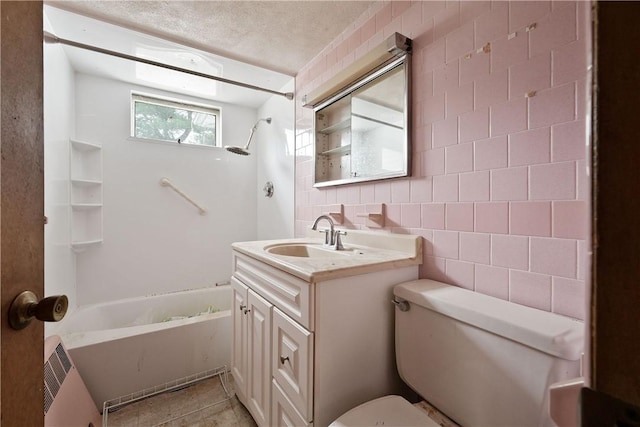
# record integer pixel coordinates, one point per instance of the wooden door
(615, 305)
(21, 208)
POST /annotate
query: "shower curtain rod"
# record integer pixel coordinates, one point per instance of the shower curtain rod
(51, 38)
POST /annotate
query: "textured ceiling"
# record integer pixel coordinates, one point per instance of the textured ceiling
(279, 35)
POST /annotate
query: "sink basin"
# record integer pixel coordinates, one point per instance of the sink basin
(307, 250)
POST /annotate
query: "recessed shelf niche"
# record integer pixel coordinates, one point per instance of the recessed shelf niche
(85, 176)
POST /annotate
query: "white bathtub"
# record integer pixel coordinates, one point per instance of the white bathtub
(125, 346)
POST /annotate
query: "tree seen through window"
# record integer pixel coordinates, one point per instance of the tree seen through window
(168, 122)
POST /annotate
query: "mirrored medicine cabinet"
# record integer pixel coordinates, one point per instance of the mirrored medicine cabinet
(362, 118)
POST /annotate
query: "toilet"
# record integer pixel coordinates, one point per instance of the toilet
(481, 361)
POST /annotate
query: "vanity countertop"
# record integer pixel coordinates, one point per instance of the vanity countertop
(365, 252)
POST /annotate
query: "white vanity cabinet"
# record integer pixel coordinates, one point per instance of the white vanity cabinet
(322, 347)
(251, 358)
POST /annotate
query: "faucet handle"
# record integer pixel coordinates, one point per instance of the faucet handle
(339, 245)
(326, 236)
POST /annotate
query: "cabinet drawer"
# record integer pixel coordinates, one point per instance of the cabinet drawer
(290, 294)
(283, 413)
(292, 362)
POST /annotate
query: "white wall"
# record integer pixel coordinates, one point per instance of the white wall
(59, 121)
(275, 150)
(154, 241)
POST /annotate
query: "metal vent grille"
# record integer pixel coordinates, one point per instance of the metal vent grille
(50, 380)
(55, 372)
(57, 369)
(48, 400)
(64, 359)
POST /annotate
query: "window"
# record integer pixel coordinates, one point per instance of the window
(172, 121)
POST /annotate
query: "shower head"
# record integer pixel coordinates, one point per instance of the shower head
(237, 150)
(244, 151)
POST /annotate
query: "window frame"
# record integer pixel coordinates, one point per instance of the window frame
(176, 103)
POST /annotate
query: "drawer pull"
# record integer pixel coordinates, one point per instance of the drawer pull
(283, 359)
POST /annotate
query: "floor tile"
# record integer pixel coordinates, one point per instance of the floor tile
(193, 406)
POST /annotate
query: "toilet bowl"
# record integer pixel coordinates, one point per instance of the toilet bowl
(481, 361)
(385, 411)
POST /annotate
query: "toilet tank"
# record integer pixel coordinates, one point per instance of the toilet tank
(481, 360)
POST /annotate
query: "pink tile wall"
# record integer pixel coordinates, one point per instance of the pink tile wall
(499, 188)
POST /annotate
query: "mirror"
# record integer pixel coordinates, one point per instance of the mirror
(362, 133)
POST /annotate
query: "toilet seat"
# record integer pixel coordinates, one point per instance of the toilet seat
(385, 411)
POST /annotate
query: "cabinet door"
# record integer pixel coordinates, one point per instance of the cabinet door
(283, 413)
(292, 362)
(239, 338)
(259, 350)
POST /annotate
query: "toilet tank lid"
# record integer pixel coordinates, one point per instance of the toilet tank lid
(548, 332)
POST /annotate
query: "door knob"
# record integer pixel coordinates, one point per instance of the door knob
(26, 306)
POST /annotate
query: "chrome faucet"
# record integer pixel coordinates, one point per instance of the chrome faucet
(332, 236)
(328, 234)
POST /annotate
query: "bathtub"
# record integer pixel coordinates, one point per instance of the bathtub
(122, 347)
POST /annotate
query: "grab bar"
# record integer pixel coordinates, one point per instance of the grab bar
(166, 183)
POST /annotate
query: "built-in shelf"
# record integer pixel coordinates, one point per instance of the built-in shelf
(86, 182)
(344, 124)
(85, 146)
(345, 150)
(378, 121)
(85, 172)
(86, 206)
(81, 246)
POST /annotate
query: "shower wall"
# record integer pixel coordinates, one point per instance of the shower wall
(154, 241)
(59, 121)
(274, 153)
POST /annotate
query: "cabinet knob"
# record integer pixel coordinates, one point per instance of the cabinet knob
(283, 359)
(246, 311)
(242, 307)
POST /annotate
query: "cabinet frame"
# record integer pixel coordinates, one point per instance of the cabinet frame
(332, 154)
(239, 346)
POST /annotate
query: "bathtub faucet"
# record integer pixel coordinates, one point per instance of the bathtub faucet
(332, 236)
